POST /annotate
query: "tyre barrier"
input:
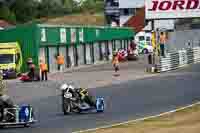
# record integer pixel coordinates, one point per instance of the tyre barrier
(181, 58)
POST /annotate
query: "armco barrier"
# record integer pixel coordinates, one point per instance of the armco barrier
(178, 59)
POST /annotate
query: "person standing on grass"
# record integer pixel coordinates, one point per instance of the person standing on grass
(115, 61)
(44, 70)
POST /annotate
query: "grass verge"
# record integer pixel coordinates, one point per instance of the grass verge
(184, 121)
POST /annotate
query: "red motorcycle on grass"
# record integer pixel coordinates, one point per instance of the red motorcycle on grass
(25, 77)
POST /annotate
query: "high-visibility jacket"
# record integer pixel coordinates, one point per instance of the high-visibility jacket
(162, 39)
(60, 60)
(43, 67)
(115, 60)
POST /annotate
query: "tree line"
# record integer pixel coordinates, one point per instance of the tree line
(21, 11)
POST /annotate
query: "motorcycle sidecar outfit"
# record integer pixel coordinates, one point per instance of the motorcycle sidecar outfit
(23, 116)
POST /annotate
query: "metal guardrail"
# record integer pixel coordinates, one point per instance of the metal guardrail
(179, 59)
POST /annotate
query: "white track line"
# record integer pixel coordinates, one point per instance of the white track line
(140, 119)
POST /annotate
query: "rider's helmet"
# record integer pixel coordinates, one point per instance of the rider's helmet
(71, 87)
(63, 86)
(66, 86)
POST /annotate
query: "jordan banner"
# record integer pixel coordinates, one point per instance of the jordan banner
(170, 9)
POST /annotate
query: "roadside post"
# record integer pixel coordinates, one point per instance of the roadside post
(152, 56)
(153, 43)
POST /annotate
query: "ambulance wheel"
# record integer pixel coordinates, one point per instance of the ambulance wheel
(145, 51)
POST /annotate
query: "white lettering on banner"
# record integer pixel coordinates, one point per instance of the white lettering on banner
(81, 35)
(43, 35)
(73, 35)
(97, 33)
(63, 36)
(158, 9)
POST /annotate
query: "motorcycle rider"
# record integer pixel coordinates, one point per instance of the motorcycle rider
(115, 61)
(5, 101)
(70, 89)
(85, 97)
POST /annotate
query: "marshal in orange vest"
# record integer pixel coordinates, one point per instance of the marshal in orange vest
(43, 67)
(60, 59)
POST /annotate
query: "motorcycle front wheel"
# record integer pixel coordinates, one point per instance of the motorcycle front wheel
(66, 107)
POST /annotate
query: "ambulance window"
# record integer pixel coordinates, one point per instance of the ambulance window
(6, 58)
(141, 38)
(148, 38)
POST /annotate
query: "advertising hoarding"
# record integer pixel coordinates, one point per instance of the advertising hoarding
(166, 9)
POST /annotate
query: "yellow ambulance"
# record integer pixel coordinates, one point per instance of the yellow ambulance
(10, 59)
